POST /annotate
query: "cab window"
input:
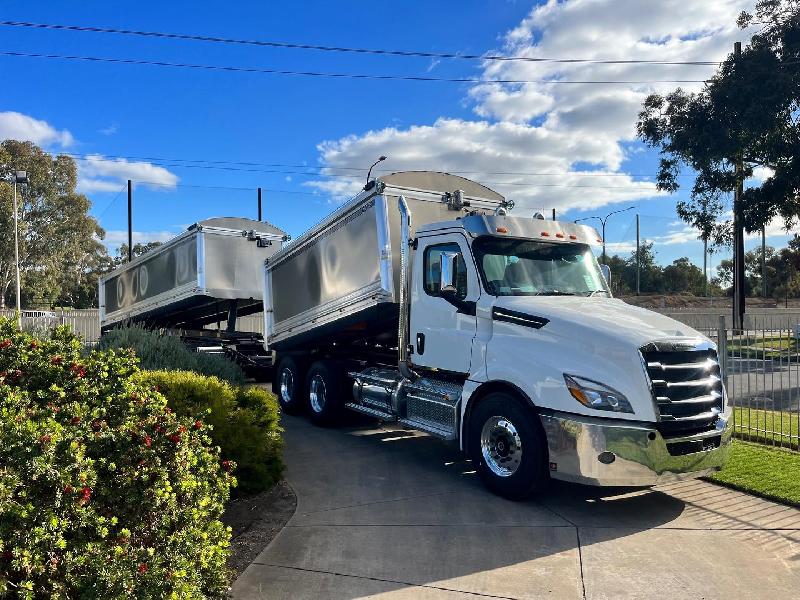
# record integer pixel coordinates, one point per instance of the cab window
(432, 266)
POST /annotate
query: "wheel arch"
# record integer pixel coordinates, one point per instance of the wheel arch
(481, 392)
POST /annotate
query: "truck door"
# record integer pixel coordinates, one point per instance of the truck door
(443, 325)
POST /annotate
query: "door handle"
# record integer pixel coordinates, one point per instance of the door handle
(420, 343)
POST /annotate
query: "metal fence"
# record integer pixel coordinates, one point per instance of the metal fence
(761, 366)
(83, 322)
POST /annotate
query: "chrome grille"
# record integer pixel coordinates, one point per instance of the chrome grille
(686, 384)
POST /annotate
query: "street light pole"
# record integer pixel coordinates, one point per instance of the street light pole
(603, 221)
(19, 177)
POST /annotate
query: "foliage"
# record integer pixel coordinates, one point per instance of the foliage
(104, 491)
(749, 109)
(157, 351)
(60, 251)
(682, 276)
(121, 256)
(763, 471)
(245, 421)
(782, 271)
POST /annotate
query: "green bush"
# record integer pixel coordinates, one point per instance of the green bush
(157, 351)
(245, 421)
(104, 491)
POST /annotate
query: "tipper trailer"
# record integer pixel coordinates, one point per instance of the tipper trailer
(208, 274)
(422, 301)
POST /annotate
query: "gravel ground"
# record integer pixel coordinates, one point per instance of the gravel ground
(255, 521)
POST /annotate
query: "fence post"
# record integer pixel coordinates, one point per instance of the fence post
(722, 349)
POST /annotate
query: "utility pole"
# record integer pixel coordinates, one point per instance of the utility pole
(19, 177)
(554, 214)
(738, 230)
(638, 265)
(259, 204)
(130, 220)
(705, 267)
(763, 262)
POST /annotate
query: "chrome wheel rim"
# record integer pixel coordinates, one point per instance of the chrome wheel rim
(287, 385)
(317, 394)
(501, 446)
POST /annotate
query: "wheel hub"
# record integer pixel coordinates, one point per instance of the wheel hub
(317, 394)
(501, 446)
(287, 386)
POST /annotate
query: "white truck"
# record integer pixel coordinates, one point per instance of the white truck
(421, 301)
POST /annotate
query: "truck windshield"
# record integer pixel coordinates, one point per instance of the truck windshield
(515, 267)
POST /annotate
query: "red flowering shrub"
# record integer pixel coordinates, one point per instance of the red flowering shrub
(97, 500)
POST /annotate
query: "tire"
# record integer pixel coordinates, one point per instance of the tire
(324, 393)
(288, 386)
(507, 446)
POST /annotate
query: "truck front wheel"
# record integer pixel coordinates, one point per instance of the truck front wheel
(288, 386)
(508, 447)
(324, 392)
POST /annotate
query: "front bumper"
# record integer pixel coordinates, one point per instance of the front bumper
(613, 452)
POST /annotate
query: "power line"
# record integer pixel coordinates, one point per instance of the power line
(378, 51)
(221, 187)
(113, 200)
(318, 171)
(367, 76)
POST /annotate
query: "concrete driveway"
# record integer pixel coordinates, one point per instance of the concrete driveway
(387, 513)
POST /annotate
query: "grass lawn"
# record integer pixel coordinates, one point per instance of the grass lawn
(769, 472)
(786, 426)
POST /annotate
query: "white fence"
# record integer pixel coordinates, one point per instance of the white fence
(86, 322)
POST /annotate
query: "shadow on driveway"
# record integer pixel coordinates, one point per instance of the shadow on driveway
(388, 513)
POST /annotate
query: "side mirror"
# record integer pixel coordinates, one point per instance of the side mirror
(448, 267)
(606, 270)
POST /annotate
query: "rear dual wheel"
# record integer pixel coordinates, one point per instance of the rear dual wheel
(288, 386)
(325, 392)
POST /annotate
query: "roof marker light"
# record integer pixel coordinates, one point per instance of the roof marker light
(502, 230)
(559, 235)
(572, 236)
(545, 234)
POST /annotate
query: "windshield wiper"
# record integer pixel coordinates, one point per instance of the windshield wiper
(554, 293)
(593, 292)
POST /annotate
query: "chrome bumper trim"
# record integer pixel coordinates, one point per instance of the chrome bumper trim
(641, 456)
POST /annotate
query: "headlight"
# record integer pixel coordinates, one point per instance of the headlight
(596, 395)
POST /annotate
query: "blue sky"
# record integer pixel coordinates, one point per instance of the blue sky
(568, 146)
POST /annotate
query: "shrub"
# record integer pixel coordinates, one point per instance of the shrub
(245, 421)
(157, 351)
(104, 491)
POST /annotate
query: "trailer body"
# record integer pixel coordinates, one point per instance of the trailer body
(209, 274)
(190, 280)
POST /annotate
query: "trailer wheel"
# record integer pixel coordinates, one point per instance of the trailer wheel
(288, 386)
(508, 447)
(324, 386)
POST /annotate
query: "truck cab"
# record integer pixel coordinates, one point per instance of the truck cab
(496, 332)
(520, 309)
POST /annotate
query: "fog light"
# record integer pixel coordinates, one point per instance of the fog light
(606, 457)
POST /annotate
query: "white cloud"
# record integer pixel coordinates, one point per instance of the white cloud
(16, 126)
(116, 237)
(622, 248)
(761, 174)
(547, 133)
(99, 174)
(110, 130)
